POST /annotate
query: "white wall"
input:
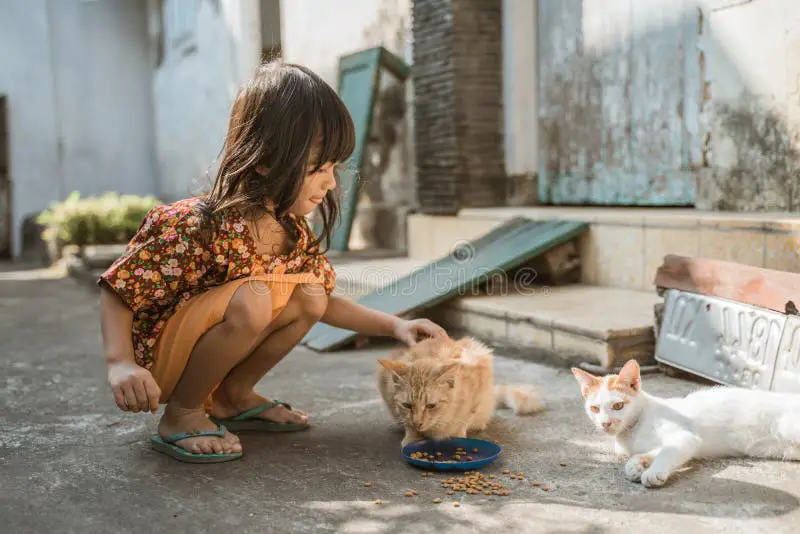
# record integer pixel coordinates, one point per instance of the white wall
(77, 76)
(196, 84)
(520, 86)
(316, 33)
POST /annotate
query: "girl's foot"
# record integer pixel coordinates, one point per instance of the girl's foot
(226, 405)
(178, 420)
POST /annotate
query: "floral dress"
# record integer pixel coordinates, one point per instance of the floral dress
(165, 265)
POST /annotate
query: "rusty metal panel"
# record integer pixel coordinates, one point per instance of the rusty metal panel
(728, 342)
(619, 95)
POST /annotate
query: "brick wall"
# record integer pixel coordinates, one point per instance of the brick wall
(457, 76)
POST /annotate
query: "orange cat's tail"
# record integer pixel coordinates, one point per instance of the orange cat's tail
(522, 399)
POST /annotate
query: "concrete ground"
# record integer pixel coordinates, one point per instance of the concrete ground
(71, 462)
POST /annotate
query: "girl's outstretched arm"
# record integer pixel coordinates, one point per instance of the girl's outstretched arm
(133, 386)
(350, 315)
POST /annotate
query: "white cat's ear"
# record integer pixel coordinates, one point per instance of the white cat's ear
(586, 380)
(448, 373)
(398, 369)
(630, 375)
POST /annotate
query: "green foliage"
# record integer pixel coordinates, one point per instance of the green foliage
(107, 219)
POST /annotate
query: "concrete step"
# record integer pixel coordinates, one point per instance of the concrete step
(566, 325)
(356, 277)
(625, 246)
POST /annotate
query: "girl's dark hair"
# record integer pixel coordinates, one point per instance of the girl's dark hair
(281, 117)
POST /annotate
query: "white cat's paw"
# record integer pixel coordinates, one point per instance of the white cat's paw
(636, 466)
(654, 479)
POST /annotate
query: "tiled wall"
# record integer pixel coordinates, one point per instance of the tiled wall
(624, 248)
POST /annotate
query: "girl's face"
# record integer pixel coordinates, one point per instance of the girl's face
(316, 186)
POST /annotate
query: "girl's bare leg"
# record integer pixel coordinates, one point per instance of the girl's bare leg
(235, 395)
(246, 324)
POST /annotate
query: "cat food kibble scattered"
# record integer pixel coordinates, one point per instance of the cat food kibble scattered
(563, 464)
(437, 500)
(474, 450)
(506, 471)
(456, 504)
(513, 477)
(491, 476)
(377, 501)
(367, 484)
(409, 494)
(469, 458)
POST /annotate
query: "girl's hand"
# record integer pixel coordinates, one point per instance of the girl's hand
(134, 388)
(409, 332)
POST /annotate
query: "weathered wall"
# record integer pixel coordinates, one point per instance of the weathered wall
(211, 47)
(694, 102)
(520, 95)
(458, 83)
(77, 77)
(387, 179)
(752, 59)
(619, 97)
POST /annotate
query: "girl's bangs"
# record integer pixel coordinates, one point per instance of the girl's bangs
(335, 139)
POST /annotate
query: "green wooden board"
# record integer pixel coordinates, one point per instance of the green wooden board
(359, 83)
(499, 251)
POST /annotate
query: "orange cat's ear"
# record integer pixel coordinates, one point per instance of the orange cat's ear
(630, 375)
(586, 380)
(398, 369)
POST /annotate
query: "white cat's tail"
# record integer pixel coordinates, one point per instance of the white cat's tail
(522, 399)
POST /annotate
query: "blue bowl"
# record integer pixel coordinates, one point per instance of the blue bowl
(487, 453)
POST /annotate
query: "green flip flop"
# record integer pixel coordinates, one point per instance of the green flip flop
(166, 444)
(248, 420)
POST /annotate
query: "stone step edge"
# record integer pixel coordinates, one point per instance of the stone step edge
(566, 345)
(551, 324)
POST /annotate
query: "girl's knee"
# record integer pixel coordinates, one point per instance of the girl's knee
(250, 309)
(311, 301)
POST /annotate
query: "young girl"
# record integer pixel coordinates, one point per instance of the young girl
(214, 291)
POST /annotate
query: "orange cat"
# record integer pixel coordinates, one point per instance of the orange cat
(442, 388)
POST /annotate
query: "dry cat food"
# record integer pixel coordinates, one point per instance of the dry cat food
(457, 456)
(367, 484)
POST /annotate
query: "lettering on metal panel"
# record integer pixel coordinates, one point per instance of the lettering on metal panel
(679, 325)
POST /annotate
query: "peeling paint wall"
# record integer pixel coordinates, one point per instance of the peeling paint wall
(619, 99)
(387, 180)
(688, 102)
(752, 56)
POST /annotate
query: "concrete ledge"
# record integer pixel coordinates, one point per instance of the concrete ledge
(605, 326)
(625, 246)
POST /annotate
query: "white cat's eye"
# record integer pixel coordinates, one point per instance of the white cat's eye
(431, 406)
(595, 409)
(618, 406)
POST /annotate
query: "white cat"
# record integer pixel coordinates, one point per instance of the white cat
(661, 435)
